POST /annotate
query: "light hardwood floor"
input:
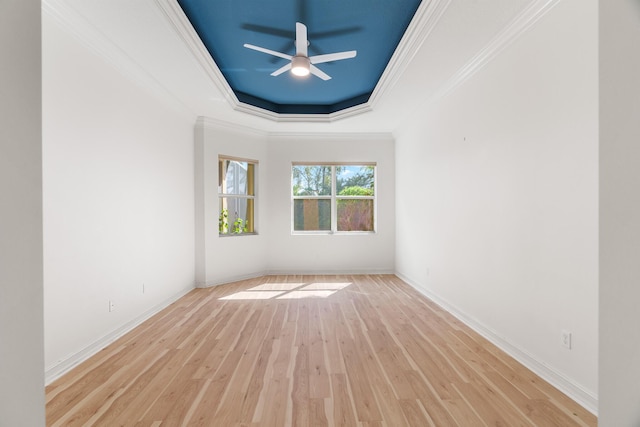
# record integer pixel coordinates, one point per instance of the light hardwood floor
(306, 350)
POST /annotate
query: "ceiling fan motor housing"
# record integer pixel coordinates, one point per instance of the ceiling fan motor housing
(300, 65)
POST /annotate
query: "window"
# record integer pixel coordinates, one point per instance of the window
(333, 197)
(236, 193)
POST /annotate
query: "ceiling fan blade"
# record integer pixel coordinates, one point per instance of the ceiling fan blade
(301, 39)
(318, 72)
(268, 51)
(282, 70)
(319, 59)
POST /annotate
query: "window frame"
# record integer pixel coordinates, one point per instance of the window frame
(333, 197)
(238, 196)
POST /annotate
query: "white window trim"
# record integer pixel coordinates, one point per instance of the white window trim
(253, 197)
(334, 198)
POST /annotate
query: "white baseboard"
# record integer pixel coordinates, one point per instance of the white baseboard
(585, 398)
(327, 272)
(60, 368)
(232, 279)
(575, 391)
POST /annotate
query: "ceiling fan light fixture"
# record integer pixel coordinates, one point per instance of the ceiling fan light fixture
(300, 66)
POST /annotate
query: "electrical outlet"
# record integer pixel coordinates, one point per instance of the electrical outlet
(112, 306)
(566, 339)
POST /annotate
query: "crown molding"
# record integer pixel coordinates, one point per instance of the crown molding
(517, 27)
(70, 20)
(307, 118)
(423, 22)
(351, 136)
(176, 17)
(217, 124)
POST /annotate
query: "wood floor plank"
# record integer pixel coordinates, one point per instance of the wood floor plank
(360, 385)
(343, 412)
(436, 379)
(319, 386)
(317, 414)
(234, 401)
(251, 398)
(127, 400)
(181, 405)
(306, 350)
(204, 414)
(72, 396)
(414, 414)
(386, 400)
(463, 414)
(331, 332)
(434, 406)
(393, 364)
(277, 402)
(300, 394)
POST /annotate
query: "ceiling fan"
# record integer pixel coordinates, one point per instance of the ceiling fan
(301, 64)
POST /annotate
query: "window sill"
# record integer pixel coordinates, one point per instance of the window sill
(333, 233)
(236, 234)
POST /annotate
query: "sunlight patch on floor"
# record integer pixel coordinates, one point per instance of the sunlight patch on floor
(306, 294)
(253, 295)
(326, 286)
(288, 291)
(277, 287)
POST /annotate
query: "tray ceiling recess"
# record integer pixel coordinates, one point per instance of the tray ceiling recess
(363, 35)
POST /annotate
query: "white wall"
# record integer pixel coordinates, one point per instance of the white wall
(274, 250)
(367, 253)
(118, 200)
(497, 190)
(619, 213)
(225, 259)
(21, 327)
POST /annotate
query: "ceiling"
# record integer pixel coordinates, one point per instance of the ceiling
(152, 42)
(372, 28)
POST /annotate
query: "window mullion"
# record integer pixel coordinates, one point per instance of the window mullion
(236, 205)
(309, 211)
(334, 203)
(312, 197)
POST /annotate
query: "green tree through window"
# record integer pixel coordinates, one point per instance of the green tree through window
(330, 198)
(236, 194)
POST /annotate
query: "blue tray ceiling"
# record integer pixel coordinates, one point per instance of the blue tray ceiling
(372, 27)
